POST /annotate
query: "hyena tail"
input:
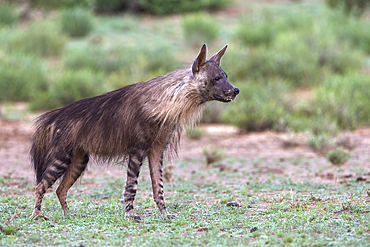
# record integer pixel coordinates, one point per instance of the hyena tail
(41, 144)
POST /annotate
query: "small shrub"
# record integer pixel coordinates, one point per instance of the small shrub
(59, 4)
(260, 107)
(346, 140)
(321, 144)
(97, 58)
(76, 22)
(323, 126)
(39, 38)
(165, 7)
(69, 87)
(213, 113)
(111, 6)
(344, 100)
(8, 14)
(213, 155)
(357, 7)
(199, 28)
(256, 30)
(21, 77)
(194, 133)
(338, 156)
(134, 60)
(157, 58)
(352, 30)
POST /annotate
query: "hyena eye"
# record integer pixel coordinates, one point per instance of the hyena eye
(217, 78)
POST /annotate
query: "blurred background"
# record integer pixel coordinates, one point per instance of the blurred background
(300, 65)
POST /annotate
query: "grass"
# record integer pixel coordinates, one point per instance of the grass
(277, 211)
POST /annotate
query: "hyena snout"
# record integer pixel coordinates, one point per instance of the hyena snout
(229, 93)
(234, 91)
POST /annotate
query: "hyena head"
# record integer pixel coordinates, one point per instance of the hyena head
(211, 79)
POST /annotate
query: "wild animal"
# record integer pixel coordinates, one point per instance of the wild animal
(140, 121)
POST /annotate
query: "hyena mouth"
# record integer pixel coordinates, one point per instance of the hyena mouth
(224, 99)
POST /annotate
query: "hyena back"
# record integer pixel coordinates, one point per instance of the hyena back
(139, 121)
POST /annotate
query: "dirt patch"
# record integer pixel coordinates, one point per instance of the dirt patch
(265, 153)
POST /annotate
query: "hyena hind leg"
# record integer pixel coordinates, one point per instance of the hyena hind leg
(74, 171)
(50, 175)
(133, 170)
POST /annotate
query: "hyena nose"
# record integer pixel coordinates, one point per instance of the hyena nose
(236, 91)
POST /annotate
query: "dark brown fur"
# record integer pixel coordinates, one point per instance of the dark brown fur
(136, 122)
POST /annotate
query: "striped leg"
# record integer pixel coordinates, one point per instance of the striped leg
(135, 161)
(155, 166)
(74, 171)
(51, 174)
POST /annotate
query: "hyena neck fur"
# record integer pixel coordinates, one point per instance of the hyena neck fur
(179, 103)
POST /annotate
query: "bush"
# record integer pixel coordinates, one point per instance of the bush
(321, 144)
(348, 29)
(263, 64)
(338, 156)
(76, 22)
(256, 31)
(21, 77)
(194, 133)
(299, 58)
(116, 5)
(83, 55)
(199, 29)
(344, 100)
(260, 107)
(8, 14)
(164, 7)
(357, 7)
(213, 155)
(39, 38)
(68, 87)
(134, 60)
(60, 4)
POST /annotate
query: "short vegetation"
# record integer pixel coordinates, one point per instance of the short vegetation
(274, 52)
(78, 49)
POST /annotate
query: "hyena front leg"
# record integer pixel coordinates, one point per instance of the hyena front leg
(133, 170)
(51, 174)
(155, 157)
(74, 171)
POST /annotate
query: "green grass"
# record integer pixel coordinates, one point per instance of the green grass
(278, 210)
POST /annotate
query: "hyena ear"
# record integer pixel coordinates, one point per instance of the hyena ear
(201, 59)
(217, 57)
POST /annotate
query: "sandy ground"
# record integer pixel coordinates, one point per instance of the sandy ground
(297, 161)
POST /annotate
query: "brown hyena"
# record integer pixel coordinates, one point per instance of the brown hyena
(139, 121)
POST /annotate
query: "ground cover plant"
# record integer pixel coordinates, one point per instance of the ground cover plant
(220, 211)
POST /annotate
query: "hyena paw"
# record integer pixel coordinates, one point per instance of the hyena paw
(172, 216)
(40, 216)
(133, 216)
